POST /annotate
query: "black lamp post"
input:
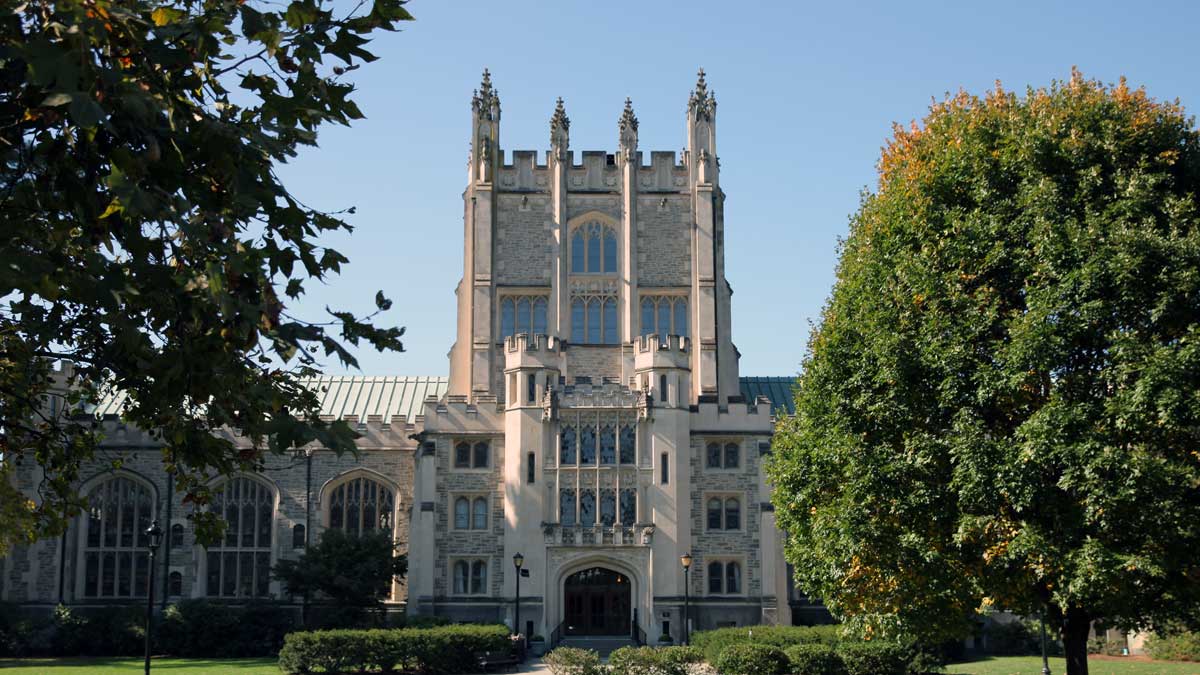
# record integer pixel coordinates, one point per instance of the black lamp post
(518, 562)
(154, 535)
(1045, 660)
(686, 561)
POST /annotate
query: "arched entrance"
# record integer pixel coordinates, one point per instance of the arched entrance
(597, 602)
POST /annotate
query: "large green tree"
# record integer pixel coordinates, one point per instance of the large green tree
(1002, 400)
(147, 241)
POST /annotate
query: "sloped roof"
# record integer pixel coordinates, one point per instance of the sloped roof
(778, 389)
(388, 396)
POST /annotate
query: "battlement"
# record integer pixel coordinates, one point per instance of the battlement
(592, 170)
(525, 350)
(735, 417)
(531, 342)
(655, 352)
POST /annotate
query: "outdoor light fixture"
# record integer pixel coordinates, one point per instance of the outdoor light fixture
(154, 537)
(518, 563)
(686, 561)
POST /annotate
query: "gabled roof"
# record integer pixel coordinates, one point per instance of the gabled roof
(778, 389)
(388, 396)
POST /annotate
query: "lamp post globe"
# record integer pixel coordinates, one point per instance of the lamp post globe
(686, 561)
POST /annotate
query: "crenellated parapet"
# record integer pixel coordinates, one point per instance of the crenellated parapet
(734, 417)
(527, 350)
(590, 171)
(655, 352)
(608, 395)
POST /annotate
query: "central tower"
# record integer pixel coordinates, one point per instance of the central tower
(595, 253)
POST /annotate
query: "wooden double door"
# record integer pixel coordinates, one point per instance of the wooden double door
(597, 602)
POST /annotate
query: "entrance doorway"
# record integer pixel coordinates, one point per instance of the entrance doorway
(597, 602)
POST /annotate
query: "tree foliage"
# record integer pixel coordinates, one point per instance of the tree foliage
(148, 241)
(353, 571)
(1001, 403)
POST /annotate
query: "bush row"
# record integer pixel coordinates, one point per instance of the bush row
(1180, 646)
(846, 658)
(440, 650)
(653, 660)
(713, 642)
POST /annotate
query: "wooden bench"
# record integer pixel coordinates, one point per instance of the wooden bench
(490, 660)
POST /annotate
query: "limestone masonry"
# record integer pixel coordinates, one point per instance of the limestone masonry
(593, 421)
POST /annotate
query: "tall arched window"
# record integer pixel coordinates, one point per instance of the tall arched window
(716, 572)
(478, 577)
(628, 506)
(733, 514)
(594, 327)
(610, 321)
(479, 515)
(594, 249)
(733, 577)
(587, 445)
(732, 455)
(578, 248)
(239, 566)
(714, 514)
(115, 561)
(462, 573)
(462, 513)
(362, 505)
(508, 320)
(610, 251)
(524, 315)
(587, 507)
(647, 316)
(578, 320)
(681, 316)
(628, 444)
(539, 316)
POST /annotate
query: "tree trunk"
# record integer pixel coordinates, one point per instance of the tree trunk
(1076, 627)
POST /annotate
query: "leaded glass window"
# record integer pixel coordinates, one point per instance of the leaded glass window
(608, 445)
(733, 514)
(628, 444)
(478, 577)
(587, 445)
(566, 506)
(610, 251)
(628, 506)
(239, 566)
(716, 571)
(608, 507)
(361, 505)
(733, 577)
(732, 455)
(462, 573)
(587, 507)
(610, 322)
(714, 455)
(462, 513)
(479, 515)
(566, 453)
(714, 514)
(462, 456)
(594, 249)
(522, 314)
(664, 315)
(115, 560)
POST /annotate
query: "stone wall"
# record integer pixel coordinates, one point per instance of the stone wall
(743, 544)
(524, 244)
(452, 543)
(664, 228)
(593, 362)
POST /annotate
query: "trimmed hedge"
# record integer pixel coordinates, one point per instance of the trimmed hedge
(573, 661)
(653, 660)
(752, 659)
(204, 629)
(437, 651)
(873, 658)
(815, 659)
(713, 642)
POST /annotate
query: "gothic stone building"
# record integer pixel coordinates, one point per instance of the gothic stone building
(593, 421)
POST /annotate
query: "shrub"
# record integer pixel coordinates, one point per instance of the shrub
(16, 631)
(873, 658)
(752, 659)
(680, 654)
(814, 659)
(440, 650)
(204, 629)
(572, 661)
(1181, 646)
(647, 661)
(713, 642)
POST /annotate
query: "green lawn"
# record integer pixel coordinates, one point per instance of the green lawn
(1032, 665)
(265, 666)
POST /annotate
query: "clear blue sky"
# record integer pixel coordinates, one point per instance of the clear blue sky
(807, 93)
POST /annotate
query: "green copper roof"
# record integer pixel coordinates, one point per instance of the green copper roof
(778, 389)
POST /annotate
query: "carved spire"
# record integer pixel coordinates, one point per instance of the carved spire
(628, 120)
(629, 128)
(486, 99)
(702, 103)
(560, 125)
